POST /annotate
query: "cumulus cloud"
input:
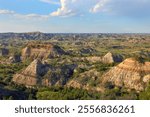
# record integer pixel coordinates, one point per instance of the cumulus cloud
(51, 1)
(119, 7)
(66, 8)
(130, 8)
(74, 7)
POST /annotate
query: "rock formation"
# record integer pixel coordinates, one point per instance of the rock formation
(130, 73)
(41, 51)
(38, 73)
(111, 58)
(32, 74)
(4, 52)
(87, 51)
(58, 76)
(14, 59)
(108, 58)
(85, 79)
(94, 59)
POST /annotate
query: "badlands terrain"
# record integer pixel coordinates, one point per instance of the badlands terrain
(47, 66)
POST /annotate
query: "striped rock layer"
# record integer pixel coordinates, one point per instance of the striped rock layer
(41, 51)
(130, 74)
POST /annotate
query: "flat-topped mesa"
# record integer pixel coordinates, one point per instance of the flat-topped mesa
(41, 51)
(32, 74)
(130, 73)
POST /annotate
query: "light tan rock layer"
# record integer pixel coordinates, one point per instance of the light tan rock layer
(42, 51)
(109, 58)
(31, 75)
(41, 73)
(130, 73)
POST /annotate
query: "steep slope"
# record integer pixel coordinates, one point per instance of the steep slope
(58, 76)
(130, 73)
(111, 58)
(87, 80)
(38, 73)
(32, 74)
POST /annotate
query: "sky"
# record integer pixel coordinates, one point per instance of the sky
(75, 16)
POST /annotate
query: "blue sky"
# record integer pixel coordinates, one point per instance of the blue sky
(75, 16)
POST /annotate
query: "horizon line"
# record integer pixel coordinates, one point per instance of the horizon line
(78, 32)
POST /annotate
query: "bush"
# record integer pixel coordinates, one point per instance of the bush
(145, 95)
(64, 93)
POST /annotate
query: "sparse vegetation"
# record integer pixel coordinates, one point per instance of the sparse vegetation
(71, 57)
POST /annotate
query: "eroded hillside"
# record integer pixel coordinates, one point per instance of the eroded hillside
(109, 66)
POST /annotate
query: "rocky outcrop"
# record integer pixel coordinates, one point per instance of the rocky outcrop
(130, 74)
(59, 76)
(32, 74)
(94, 59)
(108, 58)
(15, 59)
(41, 51)
(87, 80)
(38, 73)
(112, 58)
(4, 51)
(87, 51)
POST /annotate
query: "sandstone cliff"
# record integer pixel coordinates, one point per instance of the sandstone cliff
(130, 74)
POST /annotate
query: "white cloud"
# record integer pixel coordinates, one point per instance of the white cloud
(7, 12)
(127, 8)
(74, 7)
(32, 16)
(24, 16)
(130, 8)
(51, 1)
(100, 6)
(66, 8)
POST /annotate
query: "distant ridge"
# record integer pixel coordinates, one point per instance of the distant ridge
(28, 35)
(37, 35)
